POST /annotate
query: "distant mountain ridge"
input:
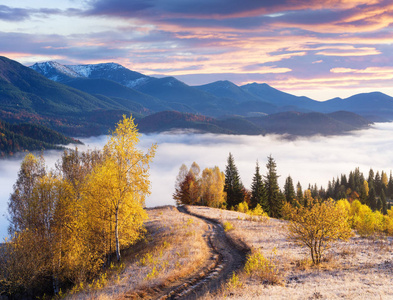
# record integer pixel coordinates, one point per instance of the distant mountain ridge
(217, 98)
(83, 100)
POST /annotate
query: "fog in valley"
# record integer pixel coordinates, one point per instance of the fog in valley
(307, 160)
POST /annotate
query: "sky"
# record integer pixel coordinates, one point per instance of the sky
(320, 49)
(308, 160)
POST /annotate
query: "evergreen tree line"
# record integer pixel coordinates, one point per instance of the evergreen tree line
(67, 223)
(229, 191)
(373, 191)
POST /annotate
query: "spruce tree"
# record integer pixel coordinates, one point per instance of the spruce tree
(389, 193)
(258, 193)
(384, 208)
(330, 190)
(378, 184)
(289, 190)
(372, 199)
(233, 185)
(363, 194)
(351, 181)
(299, 193)
(272, 189)
(370, 179)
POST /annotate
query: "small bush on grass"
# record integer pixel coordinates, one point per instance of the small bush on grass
(263, 268)
(228, 226)
(257, 214)
(234, 282)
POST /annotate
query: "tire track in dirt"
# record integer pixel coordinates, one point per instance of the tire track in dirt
(228, 256)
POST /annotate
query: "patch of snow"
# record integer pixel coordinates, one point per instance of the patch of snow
(48, 67)
(138, 82)
(82, 70)
(86, 70)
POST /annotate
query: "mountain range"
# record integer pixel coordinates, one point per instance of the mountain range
(82, 100)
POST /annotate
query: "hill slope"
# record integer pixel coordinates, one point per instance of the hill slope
(27, 96)
(30, 137)
(292, 123)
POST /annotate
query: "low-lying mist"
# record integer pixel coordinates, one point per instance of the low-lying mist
(307, 160)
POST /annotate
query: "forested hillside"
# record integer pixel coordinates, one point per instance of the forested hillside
(30, 137)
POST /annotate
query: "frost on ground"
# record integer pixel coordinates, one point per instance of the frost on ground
(361, 268)
(174, 247)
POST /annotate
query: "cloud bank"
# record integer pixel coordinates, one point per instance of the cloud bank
(307, 160)
(200, 41)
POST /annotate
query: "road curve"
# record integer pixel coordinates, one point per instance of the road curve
(227, 256)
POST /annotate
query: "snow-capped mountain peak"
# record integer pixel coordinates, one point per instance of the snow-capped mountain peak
(52, 70)
(110, 71)
(86, 70)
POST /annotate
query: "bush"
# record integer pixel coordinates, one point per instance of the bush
(228, 226)
(242, 207)
(258, 214)
(263, 268)
(317, 226)
(234, 282)
(366, 222)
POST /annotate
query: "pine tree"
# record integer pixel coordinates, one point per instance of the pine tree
(370, 179)
(299, 193)
(359, 179)
(384, 208)
(344, 181)
(389, 193)
(330, 190)
(372, 199)
(258, 193)
(364, 190)
(272, 189)
(351, 181)
(233, 185)
(378, 184)
(289, 190)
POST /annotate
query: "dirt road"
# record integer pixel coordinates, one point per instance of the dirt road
(226, 257)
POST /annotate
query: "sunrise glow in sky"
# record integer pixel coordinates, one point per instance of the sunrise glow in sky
(320, 49)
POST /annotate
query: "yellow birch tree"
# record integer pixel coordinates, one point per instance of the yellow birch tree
(119, 185)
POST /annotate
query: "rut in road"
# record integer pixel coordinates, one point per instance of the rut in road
(227, 256)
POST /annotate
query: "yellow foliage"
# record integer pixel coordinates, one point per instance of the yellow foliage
(317, 226)
(388, 222)
(366, 222)
(242, 207)
(263, 268)
(228, 226)
(234, 282)
(116, 189)
(212, 185)
(258, 214)
(65, 223)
